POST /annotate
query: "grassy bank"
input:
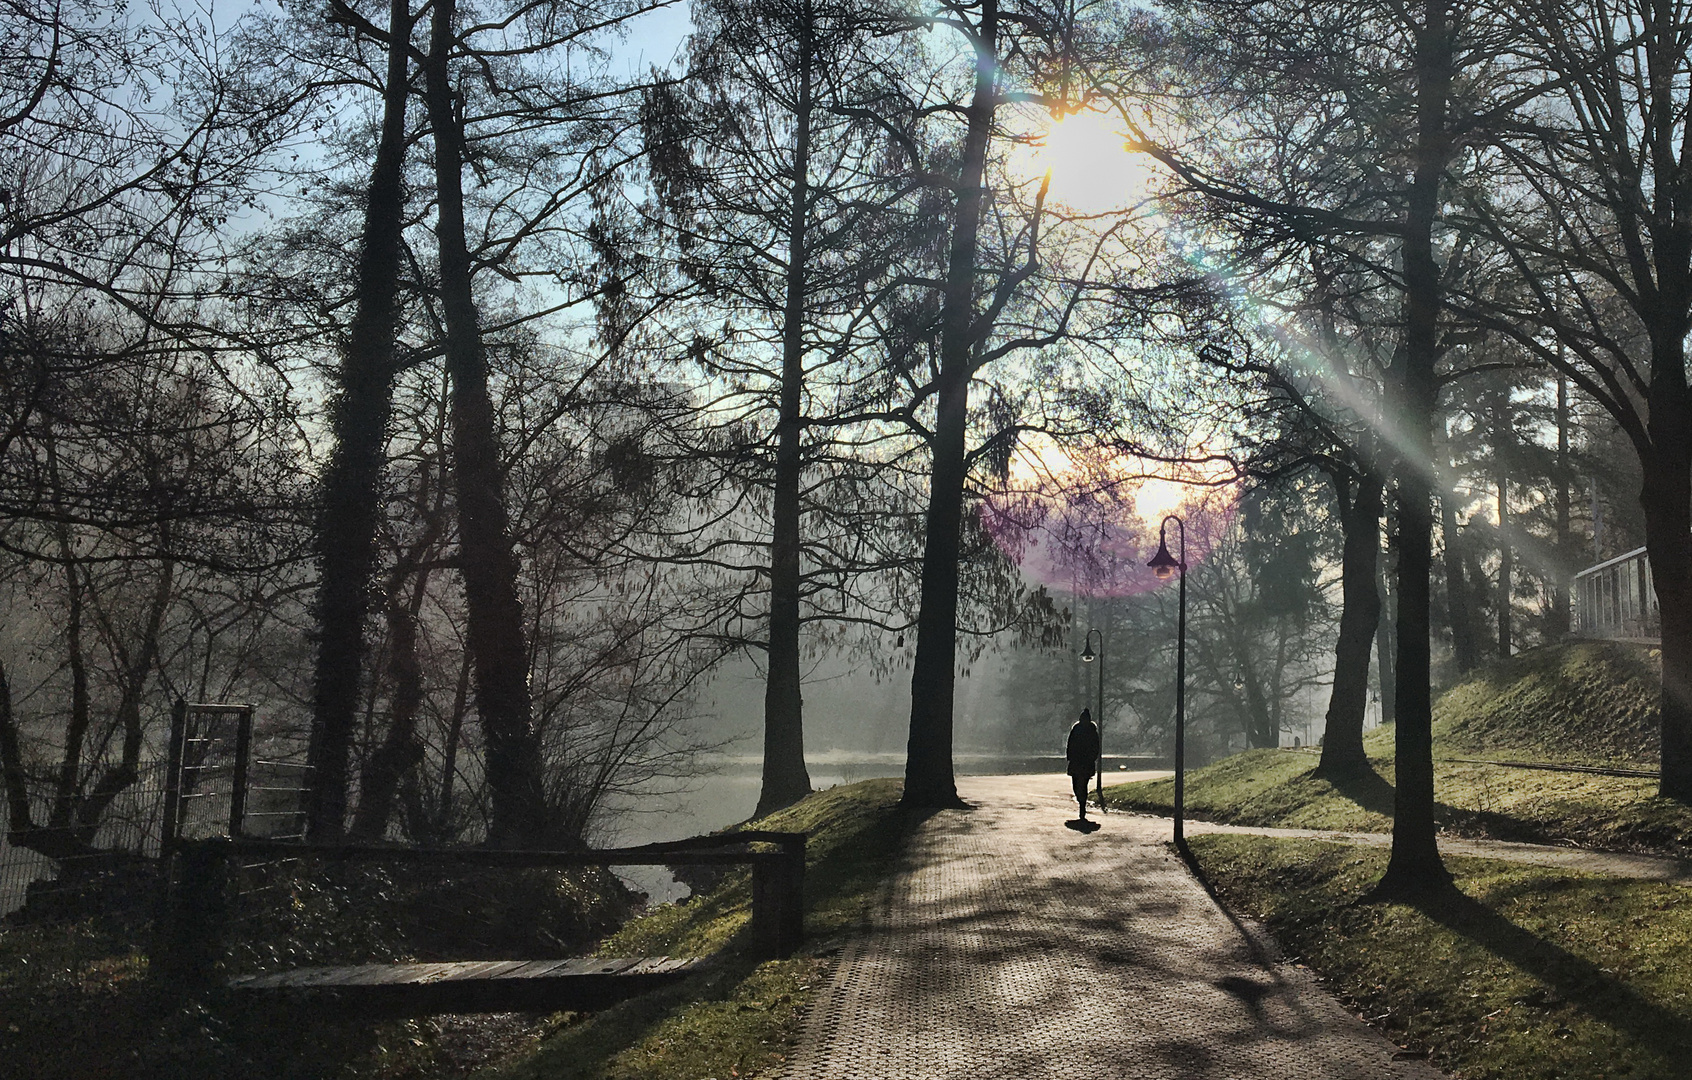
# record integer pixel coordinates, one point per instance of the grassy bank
(76, 1004)
(1583, 704)
(740, 1019)
(1536, 974)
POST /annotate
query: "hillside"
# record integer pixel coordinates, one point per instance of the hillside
(1586, 703)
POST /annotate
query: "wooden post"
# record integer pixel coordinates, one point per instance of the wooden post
(238, 786)
(192, 942)
(778, 898)
(171, 827)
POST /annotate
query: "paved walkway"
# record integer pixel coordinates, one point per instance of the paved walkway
(1012, 947)
(1614, 863)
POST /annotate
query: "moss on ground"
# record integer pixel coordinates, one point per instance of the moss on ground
(1532, 974)
(1589, 703)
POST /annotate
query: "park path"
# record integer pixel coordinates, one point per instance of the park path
(1613, 863)
(1012, 947)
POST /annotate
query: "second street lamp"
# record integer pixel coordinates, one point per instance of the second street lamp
(1166, 566)
(1087, 657)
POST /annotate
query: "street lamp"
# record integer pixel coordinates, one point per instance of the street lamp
(1165, 566)
(1087, 656)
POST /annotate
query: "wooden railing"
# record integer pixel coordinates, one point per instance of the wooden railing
(197, 914)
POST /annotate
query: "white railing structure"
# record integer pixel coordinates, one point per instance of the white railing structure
(1615, 599)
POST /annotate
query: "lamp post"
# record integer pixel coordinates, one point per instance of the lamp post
(1087, 657)
(1164, 566)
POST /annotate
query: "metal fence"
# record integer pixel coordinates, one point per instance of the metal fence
(226, 773)
(127, 838)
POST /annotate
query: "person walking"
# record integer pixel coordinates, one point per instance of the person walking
(1083, 755)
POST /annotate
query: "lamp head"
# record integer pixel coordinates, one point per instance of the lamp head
(1163, 564)
(1087, 656)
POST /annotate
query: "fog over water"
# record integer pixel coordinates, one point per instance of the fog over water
(855, 729)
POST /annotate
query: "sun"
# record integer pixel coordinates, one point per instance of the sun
(1092, 171)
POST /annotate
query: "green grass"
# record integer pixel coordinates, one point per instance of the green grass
(1534, 974)
(740, 1018)
(1587, 704)
(852, 834)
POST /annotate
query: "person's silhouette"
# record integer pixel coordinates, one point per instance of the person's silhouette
(1082, 754)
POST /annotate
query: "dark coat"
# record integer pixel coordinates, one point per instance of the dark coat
(1083, 749)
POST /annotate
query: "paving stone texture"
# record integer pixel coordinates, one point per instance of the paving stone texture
(1013, 947)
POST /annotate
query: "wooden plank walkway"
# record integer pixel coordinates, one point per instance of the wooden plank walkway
(472, 986)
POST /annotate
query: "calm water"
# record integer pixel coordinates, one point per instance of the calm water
(729, 795)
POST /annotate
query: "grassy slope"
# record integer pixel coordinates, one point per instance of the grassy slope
(1589, 703)
(740, 1018)
(1536, 974)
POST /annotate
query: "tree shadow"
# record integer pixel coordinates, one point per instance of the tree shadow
(1579, 982)
(1375, 793)
(1367, 788)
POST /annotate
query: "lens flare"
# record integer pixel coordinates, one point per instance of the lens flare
(1097, 545)
(1092, 171)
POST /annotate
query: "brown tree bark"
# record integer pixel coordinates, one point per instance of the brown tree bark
(1415, 868)
(1666, 493)
(929, 777)
(1560, 622)
(358, 425)
(1459, 598)
(1359, 501)
(379, 782)
(1386, 643)
(496, 632)
(785, 778)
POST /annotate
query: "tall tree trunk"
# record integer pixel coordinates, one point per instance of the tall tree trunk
(358, 427)
(1506, 570)
(786, 779)
(443, 821)
(1503, 426)
(1386, 642)
(1360, 614)
(69, 773)
(14, 773)
(1667, 482)
(400, 750)
(929, 779)
(1561, 623)
(495, 634)
(1459, 598)
(1668, 536)
(1415, 867)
